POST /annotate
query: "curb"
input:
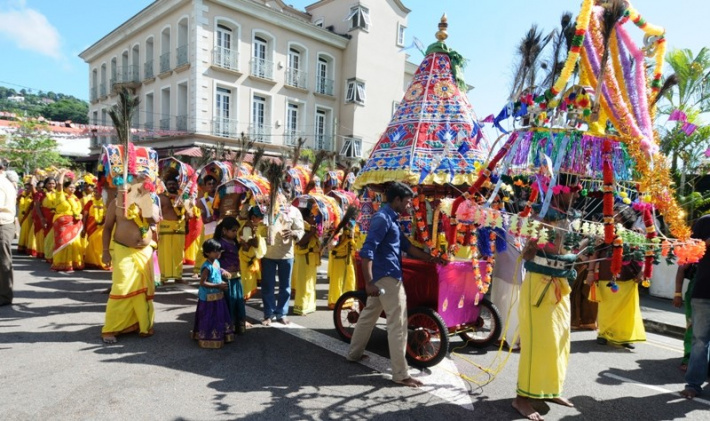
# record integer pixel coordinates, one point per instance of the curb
(677, 332)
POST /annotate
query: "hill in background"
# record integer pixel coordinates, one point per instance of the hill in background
(50, 105)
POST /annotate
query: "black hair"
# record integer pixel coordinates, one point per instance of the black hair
(209, 178)
(210, 245)
(48, 179)
(626, 214)
(228, 223)
(67, 183)
(398, 190)
(305, 212)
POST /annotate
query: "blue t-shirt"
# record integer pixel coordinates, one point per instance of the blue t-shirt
(384, 245)
(214, 276)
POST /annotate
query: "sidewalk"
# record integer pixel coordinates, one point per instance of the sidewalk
(659, 316)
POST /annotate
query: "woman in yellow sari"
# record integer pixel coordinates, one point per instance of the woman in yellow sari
(94, 216)
(67, 252)
(26, 243)
(252, 247)
(48, 204)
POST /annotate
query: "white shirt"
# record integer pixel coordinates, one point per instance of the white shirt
(8, 200)
(281, 249)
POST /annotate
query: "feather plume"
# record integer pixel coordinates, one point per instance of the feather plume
(296, 153)
(315, 166)
(670, 82)
(274, 173)
(561, 42)
(122, 114)
(350, 213)
(613, 11)
(256, 158)
(528, 52)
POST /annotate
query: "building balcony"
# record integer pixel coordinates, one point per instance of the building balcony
(291, 136)
(296, 78)
(165, 63)
(148, 125)
(324, 86)
(225, 127)
(181, 56)
(181, 123)
(225, 58)
(103, 92)
(323, 142)
(263, 69)
(165, 123)
(94, 94)
(148, 70)
(260, 134)
(126, 77)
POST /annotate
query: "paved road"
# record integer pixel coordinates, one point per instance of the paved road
(54, 366)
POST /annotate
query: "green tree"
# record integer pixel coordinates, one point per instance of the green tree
(30, 147)
(692, 96)
(67, 109)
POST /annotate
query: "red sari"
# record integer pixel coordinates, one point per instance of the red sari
(37, 226)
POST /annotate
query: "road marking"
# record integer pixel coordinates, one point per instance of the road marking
(442, 382)
(656, 388)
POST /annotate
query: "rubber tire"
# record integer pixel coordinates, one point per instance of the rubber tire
(497, 329)
(435, 319)
(346, 333)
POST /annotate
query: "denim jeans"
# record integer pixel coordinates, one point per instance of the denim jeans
(273, 306)
(698, 365)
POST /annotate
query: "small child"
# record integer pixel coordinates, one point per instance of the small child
(213, 325)
(226, 234)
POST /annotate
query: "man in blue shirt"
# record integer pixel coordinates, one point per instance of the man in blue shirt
(382, 269)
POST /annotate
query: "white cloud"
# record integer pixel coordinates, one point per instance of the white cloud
(30, 30)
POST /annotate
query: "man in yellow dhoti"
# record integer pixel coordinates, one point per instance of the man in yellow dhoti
(171, 234)
(341, 265)
(130, 303)
(544, 310)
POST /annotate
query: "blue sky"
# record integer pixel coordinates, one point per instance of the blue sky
(40, 39)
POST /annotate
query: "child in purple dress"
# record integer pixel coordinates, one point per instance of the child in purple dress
(226, 235)
(213, 325)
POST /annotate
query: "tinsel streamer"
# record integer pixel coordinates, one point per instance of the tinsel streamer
(485, 174)
(650, 235)
(615, 59)
(617, 255)
(608, 188)
(628, 71)
(643, 116)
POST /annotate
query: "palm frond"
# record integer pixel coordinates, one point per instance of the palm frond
(275, 173)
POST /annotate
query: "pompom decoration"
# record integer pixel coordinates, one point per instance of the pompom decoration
(617, 255)
(650, 235)
(608, 189)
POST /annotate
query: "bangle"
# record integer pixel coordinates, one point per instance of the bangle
(678, 294)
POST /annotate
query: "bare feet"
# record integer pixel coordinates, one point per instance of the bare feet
(248, 325)
(689, 393)
(266, 322)
(363, 357)
(523, 406)
(410, 382)
(562, 401)
(683, 367)
(284, 321)
(109, 339)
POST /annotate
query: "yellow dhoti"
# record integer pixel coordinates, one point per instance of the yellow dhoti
(26, 242)
(305, 272)
(130, 303)
(171, 246)
(544, 314)
(207, 233)
(341, 275)
(619, 316)
(94, 247)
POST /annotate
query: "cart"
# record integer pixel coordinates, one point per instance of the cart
(440, 304)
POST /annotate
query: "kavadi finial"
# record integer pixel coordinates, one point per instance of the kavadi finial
(441, 34)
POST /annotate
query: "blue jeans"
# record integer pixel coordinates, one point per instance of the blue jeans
(698, 364)
(274, 307)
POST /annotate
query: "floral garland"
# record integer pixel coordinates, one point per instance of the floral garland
(608, 189)
(133, 213)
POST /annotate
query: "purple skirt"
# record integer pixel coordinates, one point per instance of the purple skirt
(213, 324)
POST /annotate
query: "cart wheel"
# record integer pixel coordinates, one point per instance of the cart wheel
(346, 313)
(487, 328)
(428, 339)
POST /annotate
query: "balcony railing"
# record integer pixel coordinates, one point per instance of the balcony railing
(102, 90)
(148, 70)
(291, 136)
(260, 134)
(165, 62)
(224, 127)
(262, 68)
(296, 78)
(127, 75)
(324, 142)
(148, 125)
(225, 58)
(181, 123)
(181, 55)
(165, 123)
(94, 94)
(324, 86)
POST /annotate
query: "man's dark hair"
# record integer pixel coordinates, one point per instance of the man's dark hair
(209, 178)
(397, 189)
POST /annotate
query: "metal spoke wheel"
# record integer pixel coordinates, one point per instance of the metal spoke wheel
(347, 312)
(428, 340)
(486, 329)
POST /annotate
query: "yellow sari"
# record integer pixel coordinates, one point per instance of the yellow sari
(67, 251)
(341, 267)
(250, 258)
(26, 243)
(305, 273)
(48, 202)
(130, 303)
(96, 214)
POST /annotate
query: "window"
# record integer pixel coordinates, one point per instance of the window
(359, 18)
(295, 76)
(324, 84)
(356, 91)
(321, 138)
(291, 123)
(352, 148)
(222, 123)
(259, 119)
(261, 65)
(400, 34)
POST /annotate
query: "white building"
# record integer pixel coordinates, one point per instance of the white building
(208, 70)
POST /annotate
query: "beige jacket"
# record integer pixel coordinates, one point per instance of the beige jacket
(280, 249)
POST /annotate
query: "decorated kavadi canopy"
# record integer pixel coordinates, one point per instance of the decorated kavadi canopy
(184, 174)
(329, 212)
(434, 136)
(221, 171)
(141, 161)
